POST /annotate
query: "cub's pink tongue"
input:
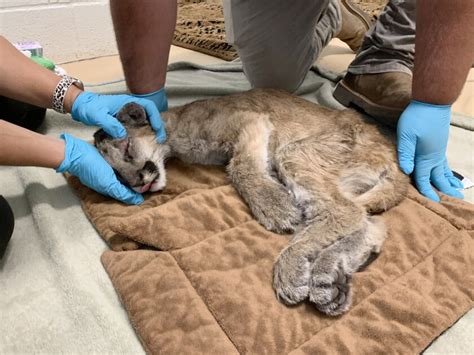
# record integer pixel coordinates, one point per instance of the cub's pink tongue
(146, 187)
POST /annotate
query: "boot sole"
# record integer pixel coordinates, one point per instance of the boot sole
(350, 98)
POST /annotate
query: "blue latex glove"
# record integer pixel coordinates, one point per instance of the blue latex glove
(158, 97)
(99, 110)
(82, 160)
(423, 131)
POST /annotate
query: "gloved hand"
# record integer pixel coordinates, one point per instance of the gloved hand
(99, 110)
(423, 131)
(158, 97)
(82, 160)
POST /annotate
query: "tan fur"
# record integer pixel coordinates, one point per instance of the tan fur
(301, 168)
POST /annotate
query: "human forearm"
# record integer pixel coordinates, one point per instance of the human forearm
(444, 49)
(444, 52)
(21, 147)
(24, 80)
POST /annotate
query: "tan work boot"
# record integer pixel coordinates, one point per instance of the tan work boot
(355, 23)
(383, 96)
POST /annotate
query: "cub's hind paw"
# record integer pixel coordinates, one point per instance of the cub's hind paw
(291, 273)
(330, 289)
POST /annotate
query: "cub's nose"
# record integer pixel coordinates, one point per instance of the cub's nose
(150, 167)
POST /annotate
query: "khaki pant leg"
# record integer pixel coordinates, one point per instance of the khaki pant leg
(279, 40)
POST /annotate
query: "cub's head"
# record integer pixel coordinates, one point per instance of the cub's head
(138, 159)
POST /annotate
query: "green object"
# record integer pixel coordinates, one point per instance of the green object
(43, 62)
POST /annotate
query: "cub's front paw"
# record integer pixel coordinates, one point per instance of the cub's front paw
(275, 209)
(291, 274)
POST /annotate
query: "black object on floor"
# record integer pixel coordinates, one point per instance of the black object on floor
(457, 175)
(21, 114)
(7, 222)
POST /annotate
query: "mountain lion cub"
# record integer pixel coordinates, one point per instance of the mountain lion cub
(302, 168)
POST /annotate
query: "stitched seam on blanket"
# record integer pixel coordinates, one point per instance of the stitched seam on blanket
(213, 235)
(384, 286)
(251, 220)
(211, 311)
(141, 241)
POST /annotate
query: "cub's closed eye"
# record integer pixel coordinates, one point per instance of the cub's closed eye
(128, 157)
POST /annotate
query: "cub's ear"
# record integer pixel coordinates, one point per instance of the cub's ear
(104, 143)
(101, 137)
(133, 115)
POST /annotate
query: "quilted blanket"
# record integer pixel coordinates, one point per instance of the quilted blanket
(193, 270)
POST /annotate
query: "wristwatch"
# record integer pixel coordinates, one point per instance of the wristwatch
(61, 89)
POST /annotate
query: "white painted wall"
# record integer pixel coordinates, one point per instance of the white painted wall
(67, 29)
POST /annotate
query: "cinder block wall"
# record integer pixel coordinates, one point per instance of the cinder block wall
(67, 29)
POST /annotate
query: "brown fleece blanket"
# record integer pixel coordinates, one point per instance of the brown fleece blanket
(193, 269)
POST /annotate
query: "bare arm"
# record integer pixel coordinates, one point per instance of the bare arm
(443, 55)
(19, 146)
(444, 49)
(24, 80)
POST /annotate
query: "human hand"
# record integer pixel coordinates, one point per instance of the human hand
(422, 134)
(82, 160)
(99, 110)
